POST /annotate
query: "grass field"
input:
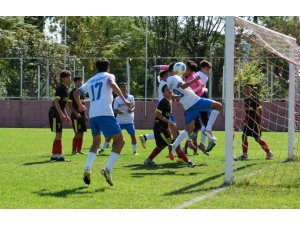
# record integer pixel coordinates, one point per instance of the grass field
(30, 180)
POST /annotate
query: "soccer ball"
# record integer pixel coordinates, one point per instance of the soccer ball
(179, 68)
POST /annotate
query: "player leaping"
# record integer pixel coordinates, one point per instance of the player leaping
(192, 105)
(101, 116)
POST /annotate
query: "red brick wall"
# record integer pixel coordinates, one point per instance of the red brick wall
(32, 113)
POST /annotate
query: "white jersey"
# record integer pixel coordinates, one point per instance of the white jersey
(203, 77)
(126, 117)
(187, 96)
(100, 94)
(160, 93)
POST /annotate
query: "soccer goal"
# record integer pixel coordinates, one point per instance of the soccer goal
(268, 61)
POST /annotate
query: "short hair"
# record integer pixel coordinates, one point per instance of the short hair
(77, 79)
(163, 73)
(205, 63)
(65, 73)
(192, 65)
(102, 65)
(122, 84)
(164, 88)
(171, 65)
(249, 85)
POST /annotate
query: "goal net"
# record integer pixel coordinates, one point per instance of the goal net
(266, 105)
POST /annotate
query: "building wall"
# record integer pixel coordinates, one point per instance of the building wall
(32, 113)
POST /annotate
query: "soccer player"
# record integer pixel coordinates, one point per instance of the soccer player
(78, 118)
(161, 130)
(205, 66)
(58, 114)
(252, 124)
(101, 117)
(192, 105)
(125, 116)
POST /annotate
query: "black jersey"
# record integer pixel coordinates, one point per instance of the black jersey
(252, 104)
(164, 107)
(62, 94)
(74, 103)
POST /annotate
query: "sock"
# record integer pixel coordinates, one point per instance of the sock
(54, 148)
(186, 144)
(105, 144)
(181, 155)
(74, 145)
(195, 144)
(154, 153)
(57, 147)
(134, 148)
(212, 118)
(264, 146)
(245, 147)
(112, 160)
(149, 136)
(203, 136)
(183, 134)
(90, 159)
(79, 144)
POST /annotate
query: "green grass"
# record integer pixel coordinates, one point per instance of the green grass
(29, 180)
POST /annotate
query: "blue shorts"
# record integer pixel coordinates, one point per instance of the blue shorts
(171, 118)
(106, 124)
(129, 127)
(203, 105)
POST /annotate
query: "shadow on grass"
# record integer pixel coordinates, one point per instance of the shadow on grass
(188, 189)
(67, 192)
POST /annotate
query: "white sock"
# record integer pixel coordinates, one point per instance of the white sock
(212, 118)
(203, 136)
(149, 136)
(105, 144)
(134, 148)
(112, 160)
(183, 134)
(90, 160)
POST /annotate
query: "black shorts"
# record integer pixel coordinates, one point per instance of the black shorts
(54, 121)
(252, 130)
(162, 136)
(78, 124)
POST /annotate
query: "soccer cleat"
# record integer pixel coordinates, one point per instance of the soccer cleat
(190, 164)
(80, 153)
(149, 162)
(135, 153)
(100, 151)
(53, 158)
(202, 149)
(74, 152)
(242, 158)
(62, 159)
(143, 141)
(105, 172)
(269, 155)
(209, 134)
(87, 176)
(210, 146)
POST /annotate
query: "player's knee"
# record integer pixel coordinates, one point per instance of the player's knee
(217, 106)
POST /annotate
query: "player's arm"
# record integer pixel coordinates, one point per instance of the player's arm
(259, 113)
(116, 108)
(132, 107)
(58, 109)
(67, 116)
(187, 84)
(76, 95)
(175, 97)
(70, 105)
(117, 90)
(161, 117)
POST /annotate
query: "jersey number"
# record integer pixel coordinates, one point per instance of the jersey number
(176, 92)
(96, 89)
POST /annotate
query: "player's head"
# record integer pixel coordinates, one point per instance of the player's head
(77, 82)
(102, 65)
(248, 88)
(166, 92)
(171, 66)
(65, 77)
(191, 67)
(123, 88)
(164, 75)
(205, 66)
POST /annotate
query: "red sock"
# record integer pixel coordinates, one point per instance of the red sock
(154, 153)
(57, 148)
(195, 143)
(245, 147)
(74, 145)
(181, 154)
(79, 144)
(186, 144)
(264, 146)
